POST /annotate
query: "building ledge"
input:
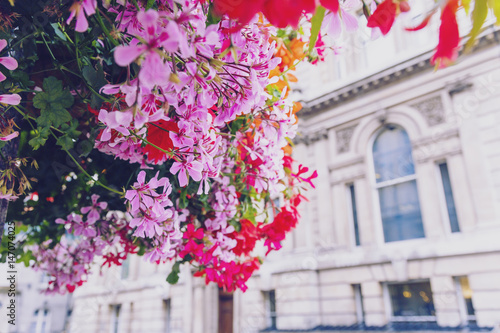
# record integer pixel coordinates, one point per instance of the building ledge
(408, 327)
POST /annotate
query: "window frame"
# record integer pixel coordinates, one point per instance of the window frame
(271, 316)
(115, 320)
(388, 303)
(355, 234)
(462, 304)
(442, 198)
(377, 210)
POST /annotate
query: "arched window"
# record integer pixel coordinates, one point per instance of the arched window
(396, 185)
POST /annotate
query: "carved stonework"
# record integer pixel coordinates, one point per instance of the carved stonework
(307, 139)
(344, 136)
(432, 109)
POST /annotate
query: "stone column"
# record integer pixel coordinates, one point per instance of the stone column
(446, 302)
(374, 304)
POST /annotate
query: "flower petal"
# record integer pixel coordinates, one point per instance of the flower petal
(9, 63)
(3, 44)
(126, 54)
(13, 99)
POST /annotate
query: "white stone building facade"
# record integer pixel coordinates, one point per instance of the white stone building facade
(403, 226)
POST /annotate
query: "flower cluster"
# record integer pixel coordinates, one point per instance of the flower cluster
(11, 64)
(90, 234)
(190, 99)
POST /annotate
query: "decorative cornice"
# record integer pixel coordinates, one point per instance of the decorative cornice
(307, 139)
(408, 68)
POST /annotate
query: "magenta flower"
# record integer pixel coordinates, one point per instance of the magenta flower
(94, 210)
(78, 10)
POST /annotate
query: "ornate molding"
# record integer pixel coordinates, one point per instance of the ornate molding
(344, 137)
(432, 109)
(307, 139)
(393, 74)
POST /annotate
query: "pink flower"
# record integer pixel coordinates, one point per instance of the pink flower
(13, 99)
(191, 167)
(333, 20)
(8, 62)
(78, 10)
(156, 36)
(94, 210)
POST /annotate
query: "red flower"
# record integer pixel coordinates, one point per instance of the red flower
(158, 134)
(383, 17)
(332, 5)
(303, 169)
(282, 13)
(246, 238)
(449, 38)
(276, 231)
(241, 10)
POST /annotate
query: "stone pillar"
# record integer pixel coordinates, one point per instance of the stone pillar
(460, 184)
(486, 296)
(366, 218)
(340, 215)
(374, 304)
(431, 204)
(446, 302)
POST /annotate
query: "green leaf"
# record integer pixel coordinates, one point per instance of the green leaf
(71, 129)
(466, 4)
(53, 102)
(65, 142)
(41, 137)
(316, 22)
(478, 17)
(173, 277)
(150, 4)
(94, 77)
(495, 6)
(58, 32)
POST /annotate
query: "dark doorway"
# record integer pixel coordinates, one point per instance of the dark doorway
(225, 312)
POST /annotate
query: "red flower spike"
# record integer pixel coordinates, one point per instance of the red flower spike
(449, 37)
(332, 5)
(421, 25)
(383, 17)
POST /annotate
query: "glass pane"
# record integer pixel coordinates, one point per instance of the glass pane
(392, 155)
(400, 209)
(412, 299)
(467, 294)
(450, 202)
(354, 214)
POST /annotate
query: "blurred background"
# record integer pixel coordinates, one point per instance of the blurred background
(402, 232)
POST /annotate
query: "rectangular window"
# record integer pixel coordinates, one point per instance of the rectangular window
(270, 305)
(166, 314)
(448, 195)
(400, 209)
(115, 318)
(358, 298)
(465, 294)
(412, 301)
(125, 268)
(40, 323)
(354, 211)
